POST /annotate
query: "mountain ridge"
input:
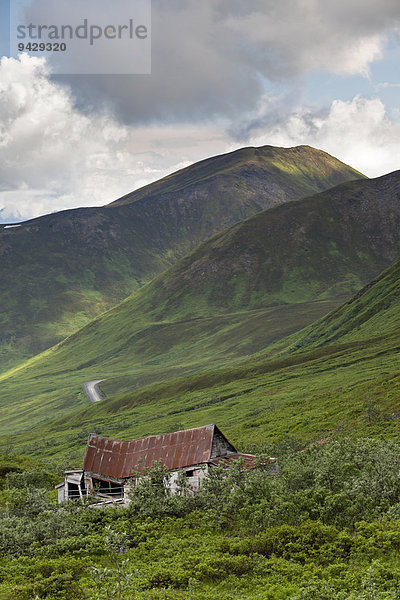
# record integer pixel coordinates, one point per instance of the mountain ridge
(61, 270)
(338, 240)
(282, 159)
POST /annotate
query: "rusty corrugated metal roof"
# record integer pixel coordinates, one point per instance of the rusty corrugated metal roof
(121, 459)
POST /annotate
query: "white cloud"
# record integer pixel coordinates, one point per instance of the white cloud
(52, 156)
(358, 132)
(44, 142)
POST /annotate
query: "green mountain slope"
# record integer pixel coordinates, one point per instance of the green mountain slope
(371, 314)
(250, 285)
(319, 247)
(351, 387)
(157, 334)
(59, 271)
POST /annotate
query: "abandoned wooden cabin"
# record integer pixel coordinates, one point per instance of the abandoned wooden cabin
(111, 467)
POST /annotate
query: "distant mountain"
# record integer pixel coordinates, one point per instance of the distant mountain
(59, 271)
(10, 219)
(267, 176)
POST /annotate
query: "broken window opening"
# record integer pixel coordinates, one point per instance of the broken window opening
(108, 488)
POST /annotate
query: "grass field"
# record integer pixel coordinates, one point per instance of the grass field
(51, 385)
(351, 388)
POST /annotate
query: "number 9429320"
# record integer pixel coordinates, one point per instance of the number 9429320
(42, 47)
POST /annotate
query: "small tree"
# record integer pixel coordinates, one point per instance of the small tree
(111, 583)
(372, 410)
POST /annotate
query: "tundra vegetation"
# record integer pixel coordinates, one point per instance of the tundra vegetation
(217, 338)
(328, 528)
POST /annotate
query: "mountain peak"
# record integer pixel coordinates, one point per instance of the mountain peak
(314, 169)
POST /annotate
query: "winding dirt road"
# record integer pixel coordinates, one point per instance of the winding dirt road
(92, 391)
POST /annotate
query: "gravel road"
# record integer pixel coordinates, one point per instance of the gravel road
(92, 392)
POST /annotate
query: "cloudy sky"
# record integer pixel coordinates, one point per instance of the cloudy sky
(225, 74)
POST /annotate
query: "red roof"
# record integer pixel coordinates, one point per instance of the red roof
(119, 459)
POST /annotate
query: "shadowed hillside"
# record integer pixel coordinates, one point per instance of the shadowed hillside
(59, 271)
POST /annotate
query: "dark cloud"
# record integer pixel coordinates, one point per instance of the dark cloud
(213, 58)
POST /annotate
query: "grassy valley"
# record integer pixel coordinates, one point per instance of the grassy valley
(346, 389)
(373, 313)
(159, 362)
